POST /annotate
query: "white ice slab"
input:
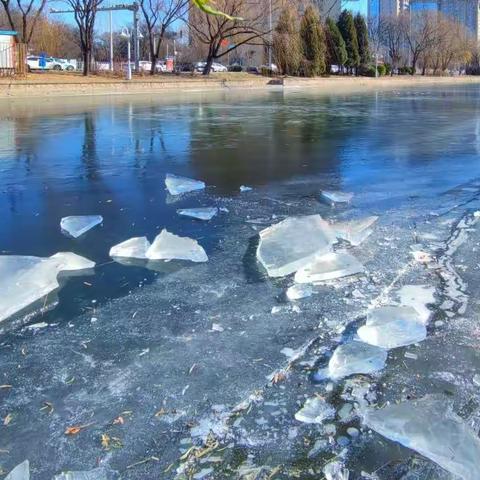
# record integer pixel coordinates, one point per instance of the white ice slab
(418, 297)
(296, 292)
(77, 225)
(329, 267)
(100, 473)
(135, 247)
(20, 472)
(204, 213)
(431, 428)
(71, 262)
(293, 243)
(392, 327)
(355, 231)
(332, 196)
(244, 188)
(315, 410)
(168, 246)
(177, 185)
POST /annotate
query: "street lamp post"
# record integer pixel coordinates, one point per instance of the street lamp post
(126, 34)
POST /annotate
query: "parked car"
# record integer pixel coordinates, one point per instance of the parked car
(253, 69)
(216, 67)
(146, 66)
(184, 67)
(235, 67)
(34, 62)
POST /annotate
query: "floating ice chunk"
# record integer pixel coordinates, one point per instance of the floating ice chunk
(100, 473)
(79, 224)
(354, 231)
(418, 297)
(392, 327)
(332, 197)
(244, 188)
(293, 243)
(329, 267)
(430, 427)
(20, 472)
(356, 357)
(135, 247)
(204, 213)
(177, 185)
(168, 246)
(295, 292)
(71, 262)
(336, 471)
(315, 410)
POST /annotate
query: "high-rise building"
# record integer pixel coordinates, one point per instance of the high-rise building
(386, 8)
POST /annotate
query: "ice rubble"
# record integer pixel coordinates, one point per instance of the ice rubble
(336, 471)
(315, 410)
(20, 472)
(329, 267)
(354, 357)
(296, 292)
(135, 247)
(25, 280)
(392, 327)
(354, 231)
(430, 427)
(79, 224)
(168, 246)
(418, 297)
(293, 243)
(244, 188)
(203, 213)
(100, 473)
(177, 185)
(332, 197)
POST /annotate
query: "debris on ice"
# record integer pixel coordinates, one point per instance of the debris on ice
(315, 410)
(392, 327)
(293, 243)
(203, 213)
(336, 471)
(332, 197)
(20, 472)
(430, 427)
(135, 247)
(422, 257)
(418, 297)
(354, 231)
(79, 224)
(168, 246)
(25, 280)
(354, 357)
(244, 188)
(296, 292)
(177, 185)
(329, 266)
(100, 473)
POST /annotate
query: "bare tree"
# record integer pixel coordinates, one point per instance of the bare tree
(392, 35)
(159, 16)
(23, 16)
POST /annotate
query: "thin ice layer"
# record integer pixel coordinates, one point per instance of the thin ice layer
(168, 246)
(77, 225)
(332, 196)
(25, 280)
(418, 297)
(315, 410)
(355, 231)
(293, 243)
(203, 213)
(356, 357)
(392, 327)
(135, 247)
(430, 427)
(20, 472)
(100, 473)
(329, 267)
(177, 185)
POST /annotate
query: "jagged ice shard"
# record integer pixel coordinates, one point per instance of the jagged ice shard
(293, 243)
(392, 327)
(203, 213)
(168, 246)
(315, 410)
(25, 280)
(431, 428)
(77, 225)
(296, 292)
(354, 231)
(20, 472)
(332, 197)
(329, 267)
(177, 185)
(135, 247)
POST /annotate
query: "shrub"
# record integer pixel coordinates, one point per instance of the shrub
(388, 68)
(382, 70)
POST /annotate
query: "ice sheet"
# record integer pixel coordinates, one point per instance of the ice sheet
(135, 247)
(168, 246)
(77, 225)
(177, 185)
(203, 213)
(20, 472)
(355, 231)
(418, 297)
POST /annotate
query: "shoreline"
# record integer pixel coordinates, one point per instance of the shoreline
(73, 86)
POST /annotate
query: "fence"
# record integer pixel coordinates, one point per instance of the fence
(13, 60)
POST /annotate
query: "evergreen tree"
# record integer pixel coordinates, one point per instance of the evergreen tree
(346, 26)
(362, 39)
(313, 42)
(287, 46)
(336, 49)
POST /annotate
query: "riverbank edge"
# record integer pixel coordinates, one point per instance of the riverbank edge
(32, 90)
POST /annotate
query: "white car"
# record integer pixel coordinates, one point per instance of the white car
(35, 62)
(146, 66)
(216, 67)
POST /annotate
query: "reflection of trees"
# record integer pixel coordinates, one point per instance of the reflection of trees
(89, 147)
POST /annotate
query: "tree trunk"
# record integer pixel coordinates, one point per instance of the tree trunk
(86, 61)
(208, 65)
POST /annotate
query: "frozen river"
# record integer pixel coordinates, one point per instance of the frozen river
(197, 370)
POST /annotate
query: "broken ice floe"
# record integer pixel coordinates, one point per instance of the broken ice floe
(203, 213)
(430, 427)
(100, 473)
(20, 472)
(354, 231)
(418, 297)
(24, 280)
(293, 243)
(168, 246)
(333, 197)
(329, 267)
(77, 225)
(315, 410)
(135, 248)
(354, 357)
(336, 471)
(392, 327)
(244, 188)
(177, 185)
(296, 292)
